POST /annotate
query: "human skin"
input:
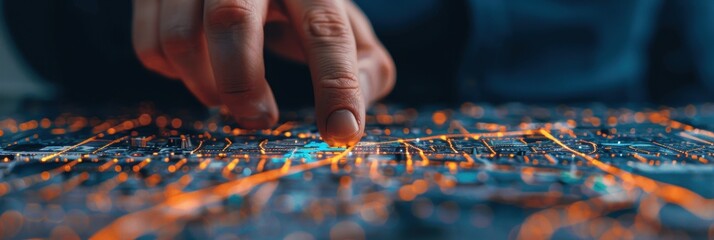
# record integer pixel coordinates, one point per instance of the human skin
(216, 48)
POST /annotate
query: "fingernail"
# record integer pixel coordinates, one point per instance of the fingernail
(342, 124)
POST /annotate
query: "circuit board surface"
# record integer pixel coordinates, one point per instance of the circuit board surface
(510, 171)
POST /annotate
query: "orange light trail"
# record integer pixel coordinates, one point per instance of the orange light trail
(469, 159)
(670, 148)
(173, 208)
(30, 180)
(200, 145)
(53, 191)
(261, 164)
(142, 164)
(542, 224)
(261, 145)
(106, 166)
(109, 144)
(594, 145)
(410, 161)
(692, 137)
(638, 150)
(228, 169)
(640, 158)
(204, 164)
(227, 145)
(687, 199)
(424, 159)
(451, 145)
(490, 149)
(118, 128)
(551, 159)
(470, 135)
(283, 128)
(54, 155)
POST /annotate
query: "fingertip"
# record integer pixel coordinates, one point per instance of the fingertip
(342, 128)
(257, 110)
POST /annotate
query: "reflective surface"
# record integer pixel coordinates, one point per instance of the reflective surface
(511, 171)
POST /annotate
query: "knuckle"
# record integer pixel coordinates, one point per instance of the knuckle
(180, 39)
(231, 14)
(333, 46)
(235, 87)
(339, 80)
(325, 22)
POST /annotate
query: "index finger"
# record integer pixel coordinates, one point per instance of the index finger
(329, 44)
(234, 34)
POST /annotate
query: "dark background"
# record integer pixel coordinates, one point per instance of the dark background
(84, 47)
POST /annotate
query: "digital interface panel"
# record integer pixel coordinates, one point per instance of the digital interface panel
(510, 171)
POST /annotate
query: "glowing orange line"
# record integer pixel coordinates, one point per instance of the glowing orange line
(204, 164)
(227, 145)
(48, 194)
(471, 135)
(640, 158)
(109, 144)
(670, 148)
(119, 127)
(564, 216)
(106, 166)
(228, 169)
(51, 156)
(490, 149)
(410, 162)
(169, 211)
(200, 144)
(261, 164)
(594, 145)
(284, 127)
(451, 145)
(693, 202)
(261, 145)
(469, 159)
(35, 178)
(550, 158)
(424, 159)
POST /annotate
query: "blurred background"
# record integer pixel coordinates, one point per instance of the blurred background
(65, 52)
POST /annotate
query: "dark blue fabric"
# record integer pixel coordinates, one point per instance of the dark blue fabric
(446, 51)
(559, 50)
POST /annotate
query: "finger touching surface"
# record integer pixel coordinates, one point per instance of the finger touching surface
(234, 35)
(329, 45)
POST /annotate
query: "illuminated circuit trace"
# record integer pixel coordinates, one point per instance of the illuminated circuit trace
(511, 171)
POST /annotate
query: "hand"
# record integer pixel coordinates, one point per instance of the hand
(216, 48)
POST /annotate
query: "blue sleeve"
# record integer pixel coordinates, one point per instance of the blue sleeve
(699, 33)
